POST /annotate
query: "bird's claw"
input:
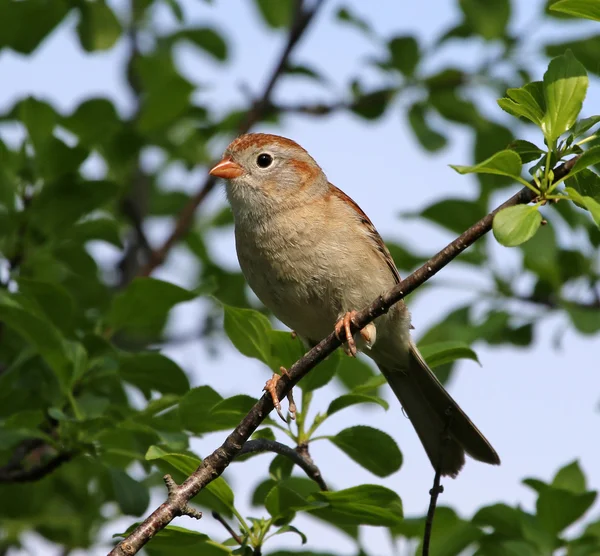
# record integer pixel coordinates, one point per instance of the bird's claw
(271, 388)
(368, 333)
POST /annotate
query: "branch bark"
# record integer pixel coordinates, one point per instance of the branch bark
(301, 21)
(299, 456)
(214, 465)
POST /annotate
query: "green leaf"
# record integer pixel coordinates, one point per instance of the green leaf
(371, 448)
(524, 102)
(527, 151)
(216, 491)
(291, 529)
(428, 137)
(346, 16)
(565, 86)
(54, 301)
(41, 17)
(43, 336)
(585, 320)
(281, 501)
(203, 410)
(353, 372)
(503, 163)
(557, 508)
(347, 400)
(249, 331)
(585, 202)
(585, 51)
(452, 534)
(571, 478)
(132, 496)
(590, 157)
(373, 105)
(454, 214)
(152, 371)
(488, 19)
(581, 8)
(99, 28)
(515, 225)
(207, 39)
(504, 519)
(444, 352)
(94, 121)
(322, 374)
(404, 54)
(583, 125)
(145, 304)
(362, 505)
(96, 229)
(276, 13)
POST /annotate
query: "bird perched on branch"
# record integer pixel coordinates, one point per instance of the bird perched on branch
(313, 257)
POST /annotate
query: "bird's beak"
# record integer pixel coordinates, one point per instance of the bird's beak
(227, 169)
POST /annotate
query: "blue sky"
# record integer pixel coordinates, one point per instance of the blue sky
(538, 407)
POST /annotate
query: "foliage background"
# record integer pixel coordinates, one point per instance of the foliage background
(536, 403)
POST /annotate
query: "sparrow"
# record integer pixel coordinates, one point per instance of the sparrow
(313, 257)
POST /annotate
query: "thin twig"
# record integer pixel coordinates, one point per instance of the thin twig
(302, 19)
(214, 465)
(299, 456)
(233, 534)
(437, 488)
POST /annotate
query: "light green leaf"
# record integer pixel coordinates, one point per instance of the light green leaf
(445, 352)
(590, 157)
(515, 225)
(589, 9)
(249, 331)
(565, 86)
(281, 501)
(503, 163)
(523, 102)
(371, 448)
(527, 151)
(585, 202)
(581, 126)
(571, 478)
(488, 19)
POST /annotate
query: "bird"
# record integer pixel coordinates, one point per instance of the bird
(313, 258)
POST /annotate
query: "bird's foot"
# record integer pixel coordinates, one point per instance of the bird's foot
(271, 388)
(368, 333)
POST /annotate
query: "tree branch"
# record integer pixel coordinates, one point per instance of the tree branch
(302, 19)
(214, 465)
(299, 456)
(228, 528)
(18, 474)
(437, 488)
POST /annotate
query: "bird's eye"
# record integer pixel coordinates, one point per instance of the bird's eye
(264, 160)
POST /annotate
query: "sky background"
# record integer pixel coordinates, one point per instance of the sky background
(537, 406)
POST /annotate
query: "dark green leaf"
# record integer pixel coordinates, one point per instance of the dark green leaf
(565, 86)
(207, 39)
(153, 371)
(404, 54)
(581, 126)
(145, 304)
(515, 225)
(94, 121)
(353, 372)
(585, 320)
(132, 496)
(55, 301)
(322, 374)
(276, 13)
(428, 137)
(452, 534)
(527, 151)
(590, 157)
(454, 214)
(371, 448)
(345, 15)
(371, 106)
(504, 519)
(281, 501)
(571, 478)
(347, 400)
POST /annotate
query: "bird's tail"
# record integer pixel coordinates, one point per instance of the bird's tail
(443, 428)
